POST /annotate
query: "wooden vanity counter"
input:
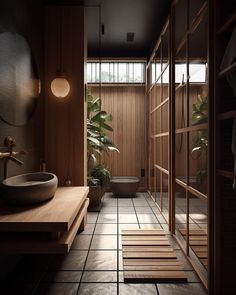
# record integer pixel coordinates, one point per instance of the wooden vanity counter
(48, 227)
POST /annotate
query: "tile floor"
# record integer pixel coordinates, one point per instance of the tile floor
(94, 264)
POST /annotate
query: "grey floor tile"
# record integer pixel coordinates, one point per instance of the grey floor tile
(137, 289)
(63, 277)
(181, 289)
(104, 242)
(101, 260)
(110, 229)
(160, 218)
(192, 277)
(185, 264)
(126, 210)
(99, 276)
(150, 225)
(108, 209)
(92, 217)
(98, 289)
(57, 289)
(141, 203)
(147, 218)
(89, 228)
(126, 202)
(74, 260)
(127, 226)
(143, 210)
(127, 218)
(81, 242)
(107, 218)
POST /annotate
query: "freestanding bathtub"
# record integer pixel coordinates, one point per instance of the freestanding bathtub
(124, 186)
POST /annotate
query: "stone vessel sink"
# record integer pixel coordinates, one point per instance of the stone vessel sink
(29, 188)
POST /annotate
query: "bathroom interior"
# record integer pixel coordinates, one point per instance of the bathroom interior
(143, 92)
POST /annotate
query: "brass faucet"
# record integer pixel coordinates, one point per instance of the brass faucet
(10, 156)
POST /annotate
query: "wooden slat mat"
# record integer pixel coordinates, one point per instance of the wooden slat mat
(198, 241)
(149, 257)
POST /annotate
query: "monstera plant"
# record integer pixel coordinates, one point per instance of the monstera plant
(98, 142)
(200, 141)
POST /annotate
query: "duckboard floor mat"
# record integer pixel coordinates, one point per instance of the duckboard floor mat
(149, 257)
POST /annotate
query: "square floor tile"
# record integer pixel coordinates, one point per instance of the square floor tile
(92, 217)
(101, 260)
(140, 203)
(57, 289)
(89, 228)
(74, 260)
(63, 277)
(150, 226)
(108, 209)
(184, 262)
(125, 202)
(107, 218)
(143, 210)
(99, 277)
(127, 226)
(106, 228)
(137, 289)
(81, 242)
(125, 210)
(181, 289)
(127, 218)
(147, 218)
(104, 242)
(97, 289)
(160, 218)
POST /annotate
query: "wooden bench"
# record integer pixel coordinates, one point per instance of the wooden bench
(48, 227)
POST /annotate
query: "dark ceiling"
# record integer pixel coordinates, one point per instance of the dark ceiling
(144, 18)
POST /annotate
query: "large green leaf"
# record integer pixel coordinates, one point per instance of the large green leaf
(106, 127)
(102, 115)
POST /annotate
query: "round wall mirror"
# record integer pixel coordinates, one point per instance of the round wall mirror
(19, 82)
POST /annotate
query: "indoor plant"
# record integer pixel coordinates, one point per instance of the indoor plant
(98, 124)
(200, 141)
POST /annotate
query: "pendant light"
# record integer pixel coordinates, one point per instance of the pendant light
(60, 86)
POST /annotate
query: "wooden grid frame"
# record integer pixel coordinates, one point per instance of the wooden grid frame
(172, 130)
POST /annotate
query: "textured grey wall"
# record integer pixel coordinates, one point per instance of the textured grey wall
(24, 17)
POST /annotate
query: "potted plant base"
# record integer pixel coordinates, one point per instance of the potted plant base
(95, 198)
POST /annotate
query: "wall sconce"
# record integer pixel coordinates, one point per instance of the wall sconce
(60, 86)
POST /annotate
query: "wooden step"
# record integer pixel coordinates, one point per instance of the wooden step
(154, 276)
(148, 257)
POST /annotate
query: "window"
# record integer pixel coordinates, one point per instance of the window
(197, 73)
(116, 72)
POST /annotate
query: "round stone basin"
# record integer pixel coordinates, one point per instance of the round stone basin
(124, 186)
(29, 188)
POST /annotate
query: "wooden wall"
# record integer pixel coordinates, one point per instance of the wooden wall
(65, 119)
(127, 106)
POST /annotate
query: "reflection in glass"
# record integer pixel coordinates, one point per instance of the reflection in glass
(198, 144)
(165, 196)
(180, 156)
(198, 228)
(158, 187)
(180, 210)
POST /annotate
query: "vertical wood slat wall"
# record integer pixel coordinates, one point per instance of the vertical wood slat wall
(127, 106)
(65, 119)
